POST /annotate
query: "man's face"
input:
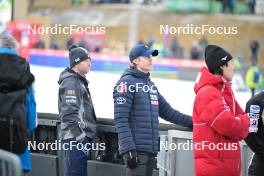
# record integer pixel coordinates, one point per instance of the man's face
(84, 66)
(228, 71)
(144, 63)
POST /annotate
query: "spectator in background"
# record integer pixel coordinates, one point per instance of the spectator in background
(40, 44)
(164, 52)
(97, 48)
(238, 62)
(228, 5)
(251, 5)
(176, 50)
(203, 42)
(254, 47)
(195, 52)
(224, 5)
(69, 42)
(31, 4)
(82, 43)
(253, 78)
(53, 44)
(150, 40)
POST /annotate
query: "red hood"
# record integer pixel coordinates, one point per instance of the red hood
(206, 78)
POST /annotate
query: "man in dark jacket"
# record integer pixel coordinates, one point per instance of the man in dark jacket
(255, 141)
(137, 106)
(76, 111)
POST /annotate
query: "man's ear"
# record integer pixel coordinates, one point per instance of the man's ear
(135, 61)
(75, 67)
(222, 67)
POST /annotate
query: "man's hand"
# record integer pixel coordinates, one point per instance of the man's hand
(132, 159)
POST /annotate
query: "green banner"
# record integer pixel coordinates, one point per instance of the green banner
(201, 6)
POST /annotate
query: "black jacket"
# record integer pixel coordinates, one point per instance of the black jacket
(256, 140)
(75, 105)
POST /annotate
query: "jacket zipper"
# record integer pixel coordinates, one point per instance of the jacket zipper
(219, 151)
(151, 120)
(11, 134)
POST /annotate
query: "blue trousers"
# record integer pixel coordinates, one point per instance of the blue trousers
(75, 161)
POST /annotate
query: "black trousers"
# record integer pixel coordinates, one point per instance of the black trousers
(256, 167)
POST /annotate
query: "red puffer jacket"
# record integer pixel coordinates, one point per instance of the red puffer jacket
(219, 124)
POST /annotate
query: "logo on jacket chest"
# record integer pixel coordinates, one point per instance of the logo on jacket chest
(154, 99)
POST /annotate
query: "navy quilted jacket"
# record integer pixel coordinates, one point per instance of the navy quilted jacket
(137, 106)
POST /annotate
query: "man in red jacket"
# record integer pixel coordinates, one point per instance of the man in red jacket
(219, 123)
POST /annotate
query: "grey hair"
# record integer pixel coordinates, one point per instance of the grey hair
(7, 41)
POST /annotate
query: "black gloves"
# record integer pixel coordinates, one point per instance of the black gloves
(131, 159)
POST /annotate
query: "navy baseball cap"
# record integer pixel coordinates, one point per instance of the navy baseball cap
(142, 50)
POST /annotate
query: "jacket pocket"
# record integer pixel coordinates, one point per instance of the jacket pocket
(89, 124)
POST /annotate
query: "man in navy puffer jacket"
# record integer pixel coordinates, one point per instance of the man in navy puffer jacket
(137, 106)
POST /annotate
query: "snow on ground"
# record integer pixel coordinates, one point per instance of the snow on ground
(178, 93)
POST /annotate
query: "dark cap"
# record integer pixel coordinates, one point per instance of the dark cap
(77, 55)
(142, 50)
(215, 57)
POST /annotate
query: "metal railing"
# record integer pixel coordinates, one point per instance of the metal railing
(9, 164)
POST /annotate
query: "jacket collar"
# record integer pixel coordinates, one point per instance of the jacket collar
(66, 73)
(8, 51)
(136, 73)
(205, 78)
(79, 76)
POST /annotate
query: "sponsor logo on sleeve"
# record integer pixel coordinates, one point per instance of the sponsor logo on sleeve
(70, 92)
(253, 125)
(254, 115)
(120, 100)
(254, 109)
(70, 97)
